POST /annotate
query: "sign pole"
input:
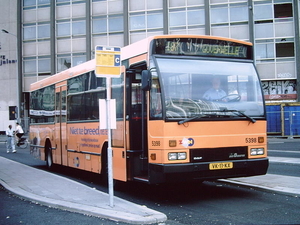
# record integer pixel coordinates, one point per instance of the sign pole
(108, 65)
(109, 149)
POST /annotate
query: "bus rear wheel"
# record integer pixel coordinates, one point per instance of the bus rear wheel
(104, 164)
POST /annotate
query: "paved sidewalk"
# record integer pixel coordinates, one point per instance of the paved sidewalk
(273, 182)
(59, 192)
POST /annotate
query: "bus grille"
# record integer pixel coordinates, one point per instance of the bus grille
(218, 154)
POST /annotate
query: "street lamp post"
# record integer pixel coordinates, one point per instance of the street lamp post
(17, 74)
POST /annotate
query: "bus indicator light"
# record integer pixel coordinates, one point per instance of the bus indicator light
(153, 156)
(261, 139)
(172, 143)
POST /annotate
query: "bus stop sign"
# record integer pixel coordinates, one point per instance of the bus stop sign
(108, 61)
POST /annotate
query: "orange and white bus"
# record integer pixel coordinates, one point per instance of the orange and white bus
(188, 108)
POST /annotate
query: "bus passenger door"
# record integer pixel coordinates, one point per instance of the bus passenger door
(118, 134)
(136, 122)
(60, 154)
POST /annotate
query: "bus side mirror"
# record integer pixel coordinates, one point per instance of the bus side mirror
(146, 80)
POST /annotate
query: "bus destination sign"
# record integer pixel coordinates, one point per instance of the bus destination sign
(202, 47)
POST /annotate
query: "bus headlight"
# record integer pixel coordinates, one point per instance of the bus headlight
(177, 156)
(181, 155)
(257, 151)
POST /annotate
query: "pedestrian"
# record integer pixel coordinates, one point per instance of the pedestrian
(19, 133)
(10, 140)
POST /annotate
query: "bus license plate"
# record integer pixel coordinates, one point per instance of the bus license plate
(221, 166)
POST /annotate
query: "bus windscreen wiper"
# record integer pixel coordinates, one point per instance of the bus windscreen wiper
(240, 113)
(191, 118)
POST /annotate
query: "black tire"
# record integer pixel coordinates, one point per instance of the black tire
(24, 144)
(49, 157)
(104, 164)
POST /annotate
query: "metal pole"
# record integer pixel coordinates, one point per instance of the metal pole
(291, 124)
(109, 149)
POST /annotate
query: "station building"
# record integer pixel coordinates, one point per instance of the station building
(39, 38)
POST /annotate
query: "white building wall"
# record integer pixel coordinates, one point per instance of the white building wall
(8, 65)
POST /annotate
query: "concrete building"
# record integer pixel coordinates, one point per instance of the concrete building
(48, 36)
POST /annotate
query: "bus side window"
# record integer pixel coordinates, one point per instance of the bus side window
(136, 100)
(155, 96)
(75, 107)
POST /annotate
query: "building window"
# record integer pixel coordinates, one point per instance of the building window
(263, 12)
(155, 20)
(28, 3)
(29, 32)
(285, 50)
(29, 66)
(229, 20)
(43, 31)
(187, 19)
(145, 19)
(196, 17)
(44, 66)
(78, 27)
(67, 61)
(150, 20)
(60, 2)
(177, 18)
(63, 29)
(219, 15)
(63, 62)
(238, 14)
(283, 10)
(78, 59)
(265, 51)
(31, 4)
(115, 24)
(264, 30)
(99, 25)
(137, 22)
(107, 24)
(43, 2)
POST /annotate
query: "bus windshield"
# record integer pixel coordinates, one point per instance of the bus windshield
(194, 88)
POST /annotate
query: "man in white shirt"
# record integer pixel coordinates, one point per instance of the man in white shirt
(19, 132)
(215, 93)
(10, 139)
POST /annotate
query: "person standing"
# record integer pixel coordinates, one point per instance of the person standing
(10, 139)
(19, 133)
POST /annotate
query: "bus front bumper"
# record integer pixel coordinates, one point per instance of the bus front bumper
(162, 173)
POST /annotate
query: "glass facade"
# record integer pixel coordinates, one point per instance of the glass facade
(72, 28)
(185, 18)
(274, 29)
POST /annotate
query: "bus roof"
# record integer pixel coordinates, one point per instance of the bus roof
(64, 75)
(142, 46)
(138, 48)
